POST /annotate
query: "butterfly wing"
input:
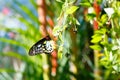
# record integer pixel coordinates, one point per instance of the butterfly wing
(42, 46)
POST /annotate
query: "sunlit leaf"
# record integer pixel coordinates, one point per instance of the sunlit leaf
(96, 47)
(57, 30)
(14, 42)
(6, 70)
(109, 11)
(71, 10)
(104, 18)
(96, 39)
(86, 4)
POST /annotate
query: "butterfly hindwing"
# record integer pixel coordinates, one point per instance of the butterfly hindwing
(42, 46)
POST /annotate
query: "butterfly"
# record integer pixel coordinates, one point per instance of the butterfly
(44, 45)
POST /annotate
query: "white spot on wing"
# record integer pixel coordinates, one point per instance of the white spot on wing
(39, 45)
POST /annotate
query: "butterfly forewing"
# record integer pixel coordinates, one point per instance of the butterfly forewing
(42, 46)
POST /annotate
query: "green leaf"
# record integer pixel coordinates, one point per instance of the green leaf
(116, 67)
(75, 21)
(90, 16)
(105, 62)
(60, 52)
(96, 47)
(96, 35)
(59, 55)
(14, 42)
(56, 30)
(71, 10)
(104, 18)
(101, 31)
(96, 39)
(86, 4)
(109, 11)
(60, 1)
(64, 27)
(33, 2)
(32, 30)
(27, 11)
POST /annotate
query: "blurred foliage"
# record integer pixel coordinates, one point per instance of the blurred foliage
(76, 37)
(106, 40)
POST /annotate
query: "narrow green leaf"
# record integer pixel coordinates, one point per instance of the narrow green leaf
(6, 70)
(77, 22)
(96, 47)
(60, 52)
(14, 42)
(33, 2)
(104, 18)
(60, 1)
(71, 10)
(25, 58)
(74, 21)
(96, 39)
(101, 31)
(105, 61)
(59, 55)
(27, 11)
(86, 4)
(56, 30)
(96, 35)
(109, 11)
(90, 16)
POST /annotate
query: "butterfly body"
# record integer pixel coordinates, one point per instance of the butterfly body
(42, 46)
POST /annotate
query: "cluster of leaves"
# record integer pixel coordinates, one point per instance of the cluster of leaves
(67, 21)
(67, 28)
(106, 39)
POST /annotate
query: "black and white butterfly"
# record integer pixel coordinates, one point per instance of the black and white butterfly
(42, 46)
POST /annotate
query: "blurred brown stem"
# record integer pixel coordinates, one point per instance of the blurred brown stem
(42, 16)
(42, 19)
(97, 10)
(45, 31)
